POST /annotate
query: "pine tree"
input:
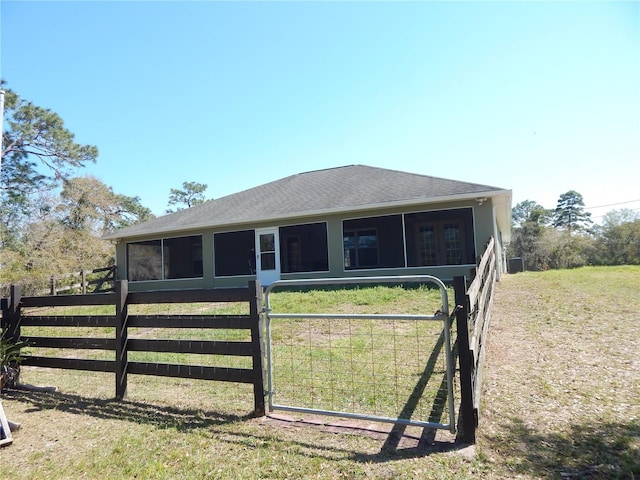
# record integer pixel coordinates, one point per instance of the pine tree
(569, 214)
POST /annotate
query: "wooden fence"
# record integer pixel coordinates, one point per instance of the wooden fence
(473, 315)
(472, 320)
(98, 280)
(13, 319)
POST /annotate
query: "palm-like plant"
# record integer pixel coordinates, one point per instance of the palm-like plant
(10, 358)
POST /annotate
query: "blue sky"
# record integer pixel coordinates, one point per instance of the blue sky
(537, 97)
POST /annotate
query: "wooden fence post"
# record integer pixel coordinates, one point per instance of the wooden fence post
(467, 412)
(83, 281)
(257, 345)
(12, 324)
(4, 318)
(122, 290)
(52, 283)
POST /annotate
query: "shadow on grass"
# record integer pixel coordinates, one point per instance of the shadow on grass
(186, 420)
(111, 409)
(427, 443)
(595, 450)
(181, 419)
(427, 439)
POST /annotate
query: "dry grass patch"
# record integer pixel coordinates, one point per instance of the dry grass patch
(562, 380)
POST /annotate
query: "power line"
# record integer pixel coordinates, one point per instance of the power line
(612, 204)
(604, 214)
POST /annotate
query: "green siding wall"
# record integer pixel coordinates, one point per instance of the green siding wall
(483, 223)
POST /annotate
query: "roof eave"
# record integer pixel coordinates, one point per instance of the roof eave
(331, 211)
(502, 207)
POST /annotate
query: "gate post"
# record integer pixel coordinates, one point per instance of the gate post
(467, 412)
(122, 290)
(257, 346)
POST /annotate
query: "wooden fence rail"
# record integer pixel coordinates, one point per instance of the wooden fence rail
(101, 283)
(13, 319)
(98, 280)
(472, 320)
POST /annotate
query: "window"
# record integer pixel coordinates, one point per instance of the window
(440, 238)
(427, 248)
(360, 249)
(182, 257)
(267, 251)
(440, 244)
(304, 248)
(453, 245)
(373, 242)
(144, 260)
(169, 258)
(234, 253)
(291, 253)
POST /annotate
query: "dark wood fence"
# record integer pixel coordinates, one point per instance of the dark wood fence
(13, 319)
(472, 320)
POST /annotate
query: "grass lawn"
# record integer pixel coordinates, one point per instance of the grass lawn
(561, 392)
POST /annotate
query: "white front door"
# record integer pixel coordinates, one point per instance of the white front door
(267, 255)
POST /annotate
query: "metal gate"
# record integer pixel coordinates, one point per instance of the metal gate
(355, 365)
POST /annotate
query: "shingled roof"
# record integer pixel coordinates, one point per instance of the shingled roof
(349, 188)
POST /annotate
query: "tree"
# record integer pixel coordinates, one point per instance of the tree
(52, 221)
(38, 133)
(528, 210)
(620, 238)
(616, 218)
(46, 246)
(560, 249)
(529, 219)
(64, 234)
(569, 214)
(90, 205)
(571, 244)
(192, 193)
(38, 153)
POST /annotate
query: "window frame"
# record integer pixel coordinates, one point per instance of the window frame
(358, 233)
(440, 243)
(284, 235)
(251, 257)
(163, 258)
(462, 217)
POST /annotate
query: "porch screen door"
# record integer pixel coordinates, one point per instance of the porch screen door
(267, 255)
